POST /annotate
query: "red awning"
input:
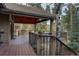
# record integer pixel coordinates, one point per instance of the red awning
(25, 19)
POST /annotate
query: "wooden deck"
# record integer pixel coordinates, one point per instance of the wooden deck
(17, 47)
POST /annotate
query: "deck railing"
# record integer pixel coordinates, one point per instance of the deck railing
(43, 45)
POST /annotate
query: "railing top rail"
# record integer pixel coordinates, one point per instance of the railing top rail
(42, 34)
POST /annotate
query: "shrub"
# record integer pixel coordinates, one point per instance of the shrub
(74, 46)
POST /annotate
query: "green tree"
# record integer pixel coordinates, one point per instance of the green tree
(36, 5)
(48, 8)
(70, 24)
(41, 27)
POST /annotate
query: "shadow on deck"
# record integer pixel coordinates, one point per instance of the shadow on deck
(17, 47)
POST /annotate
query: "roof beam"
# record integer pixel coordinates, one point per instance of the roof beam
(42, 20)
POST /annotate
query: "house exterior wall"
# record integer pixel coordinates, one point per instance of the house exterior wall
(5, 27)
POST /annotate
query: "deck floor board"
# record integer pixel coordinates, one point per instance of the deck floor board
(17, 47)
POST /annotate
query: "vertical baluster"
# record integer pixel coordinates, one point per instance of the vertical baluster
(29, 37)
(34, 40)
(57, 48)
(38, 45)
(60, 49)
(42, 46)
(48, 45)
(35, 44)
(45, 45)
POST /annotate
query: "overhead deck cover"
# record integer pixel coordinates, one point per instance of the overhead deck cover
(25, 14)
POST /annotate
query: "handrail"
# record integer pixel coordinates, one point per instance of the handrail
(67, 46)
(51, 36)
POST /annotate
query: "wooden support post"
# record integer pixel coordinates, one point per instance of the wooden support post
(52, 41)
(11, 25)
